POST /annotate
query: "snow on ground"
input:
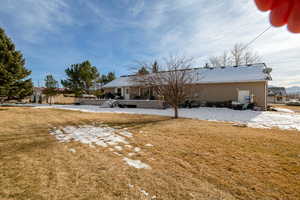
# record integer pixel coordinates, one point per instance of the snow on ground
(283, 110)
(255, 119)
(137, 149)
(104, 136)
(142, 191)
(136, 163)
(149, 145)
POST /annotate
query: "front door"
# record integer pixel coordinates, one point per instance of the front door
(243, 96)
(126, 94)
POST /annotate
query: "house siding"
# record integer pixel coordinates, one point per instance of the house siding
(229, 92)
(217, 92)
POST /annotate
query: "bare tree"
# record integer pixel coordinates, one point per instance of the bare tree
(237, 54)
(172, 84)
(217, 61)
(240, 54)
(251, 57)
(214, 61)
(225, 59)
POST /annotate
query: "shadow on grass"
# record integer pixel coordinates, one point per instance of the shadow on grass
(12, 137)
(23, 145)
(137, 123)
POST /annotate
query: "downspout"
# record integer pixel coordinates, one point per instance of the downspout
(266, 89)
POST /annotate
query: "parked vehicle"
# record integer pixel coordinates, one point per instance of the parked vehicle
(293, 102)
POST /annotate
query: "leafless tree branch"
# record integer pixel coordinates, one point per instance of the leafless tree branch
(173, 82)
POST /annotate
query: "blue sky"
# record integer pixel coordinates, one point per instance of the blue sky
(113, 34)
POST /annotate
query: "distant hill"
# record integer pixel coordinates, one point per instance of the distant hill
(293, 90)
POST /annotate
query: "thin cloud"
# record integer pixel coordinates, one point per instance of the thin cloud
(31, 17)
(138, 7)
(128, 30)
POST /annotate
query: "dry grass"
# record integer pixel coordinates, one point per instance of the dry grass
(293, 108)
(191, 159)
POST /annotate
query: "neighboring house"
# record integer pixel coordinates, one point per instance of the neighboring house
(233, 83)
(39, 97)
(277, 95)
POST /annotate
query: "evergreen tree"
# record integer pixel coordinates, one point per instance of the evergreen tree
(13, 82)
(103, 79)
(81, 77)
(143, 71)
(107, 78)
(110, 76)
(155, 67)
(51, 88)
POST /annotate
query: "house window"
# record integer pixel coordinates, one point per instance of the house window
(127, 91)
(279, 98)
(119, 91)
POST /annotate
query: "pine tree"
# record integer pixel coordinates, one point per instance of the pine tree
(81, 77)
(143, 71)
(155, 67)
(51, 88)
(13, 82)
(110, 76)
(107, 78)
(103, 79)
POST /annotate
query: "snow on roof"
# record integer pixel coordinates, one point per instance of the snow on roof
(247, 73)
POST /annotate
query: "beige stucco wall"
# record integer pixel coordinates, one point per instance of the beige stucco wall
(59, 99)
(229, 92)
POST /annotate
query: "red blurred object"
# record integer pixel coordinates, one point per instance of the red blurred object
(282, 12)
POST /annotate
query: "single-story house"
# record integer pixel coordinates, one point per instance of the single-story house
(277, 95)
(60, 98)
(232, 83)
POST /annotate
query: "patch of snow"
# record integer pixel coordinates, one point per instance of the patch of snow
(136, 163)
(283, 110)
(131, 154)
(137, 149)
(226, 74)
(128, 146)
(101, 143)
(118, 154)
(125, 133)
(101, 136)
(149, 145)
(119, 148)
(144, 192)
(72, 150)
(257, 119)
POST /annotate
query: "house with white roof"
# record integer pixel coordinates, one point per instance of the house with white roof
(232, 83)
(277, 95)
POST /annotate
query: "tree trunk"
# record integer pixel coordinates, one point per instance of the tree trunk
(175, 112)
